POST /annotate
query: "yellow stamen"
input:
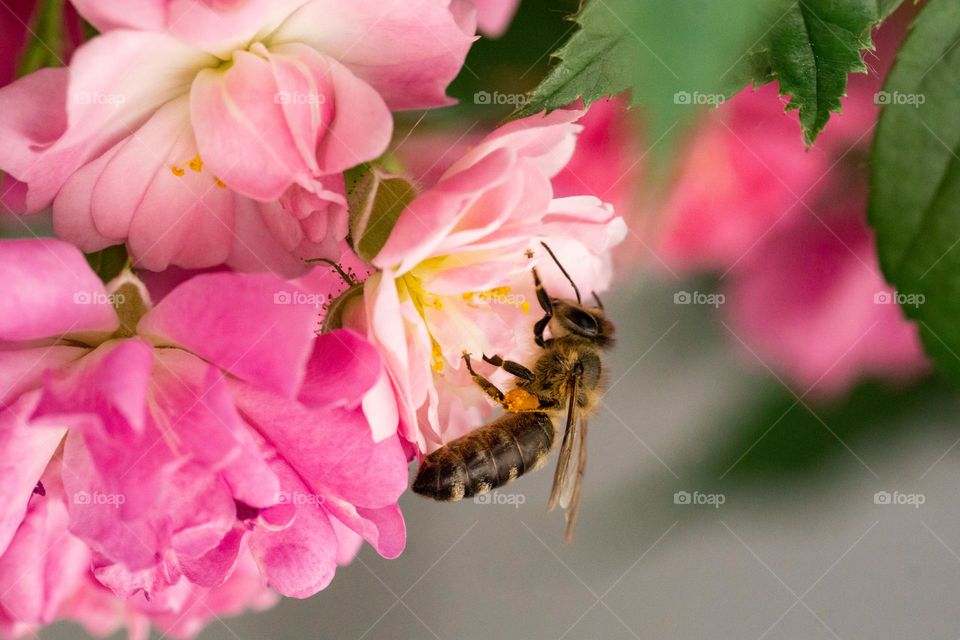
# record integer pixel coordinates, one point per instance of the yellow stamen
(177, 171)
(220, 183)
(196, 164)
(437, 354)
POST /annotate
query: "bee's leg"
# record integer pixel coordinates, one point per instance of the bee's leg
(547, 307)
(488, 387)
(510, 366)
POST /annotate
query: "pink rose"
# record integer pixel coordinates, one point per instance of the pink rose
(455, 275)
(201, 134)
(182, 439)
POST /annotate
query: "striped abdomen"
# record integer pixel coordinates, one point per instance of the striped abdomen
(486, 458)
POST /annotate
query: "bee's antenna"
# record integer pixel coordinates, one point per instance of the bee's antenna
(562, 270)
(597, 298)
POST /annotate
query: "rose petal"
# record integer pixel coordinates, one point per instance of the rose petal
(55, 292)
(411, 49)
(268, 343)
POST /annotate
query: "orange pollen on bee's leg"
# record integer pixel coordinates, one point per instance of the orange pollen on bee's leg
(520, 400)
(196, 164)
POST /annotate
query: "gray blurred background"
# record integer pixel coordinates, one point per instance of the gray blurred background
(798, 549)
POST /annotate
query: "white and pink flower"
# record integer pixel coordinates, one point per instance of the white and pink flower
(455, 271)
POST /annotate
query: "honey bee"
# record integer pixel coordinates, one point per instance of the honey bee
(566, 380)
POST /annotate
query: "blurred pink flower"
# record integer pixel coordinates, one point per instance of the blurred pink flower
(188, 436)
(494, 16)
(201, 133)
(746, 170)
(812, 305)
(787, 227)
(455, 276)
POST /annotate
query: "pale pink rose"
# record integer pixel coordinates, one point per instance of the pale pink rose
(455, 275)
(206, 133)
(207, 428)
(494, 16)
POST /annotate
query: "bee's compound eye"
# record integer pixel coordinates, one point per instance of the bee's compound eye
(581, 322)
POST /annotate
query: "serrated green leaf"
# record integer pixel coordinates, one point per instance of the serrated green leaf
(375, 201)
(670, 55)
(810, 47)
(915, 180)
(108, 263)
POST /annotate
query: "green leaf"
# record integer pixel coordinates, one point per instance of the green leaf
(375, 200)
(809, 47)
(45, 48)
(915, 180)
(670, 55)
(108, 263)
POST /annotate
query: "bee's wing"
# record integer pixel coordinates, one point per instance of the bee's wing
(566, 449)
(567, 481)
(572, 504)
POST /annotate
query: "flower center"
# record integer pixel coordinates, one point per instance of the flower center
(411, 287)
(130, 299)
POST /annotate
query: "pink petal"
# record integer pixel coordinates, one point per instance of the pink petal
(34, 448)
(32, 116)
(331, 449)
(22, 369)
(257, 247)
(268, 343)
(431, 216)
(383, 528)
(494, 16)
(152, 190)
(342, 369)
(195, 401)
(411, 50)
(300, 560)
(110, 382)
(43, 564)
(50, 291)
(361, 125)
(116, 14)
(242, 130)
(214, 567)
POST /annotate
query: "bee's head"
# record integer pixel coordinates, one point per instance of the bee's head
(574, 318)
